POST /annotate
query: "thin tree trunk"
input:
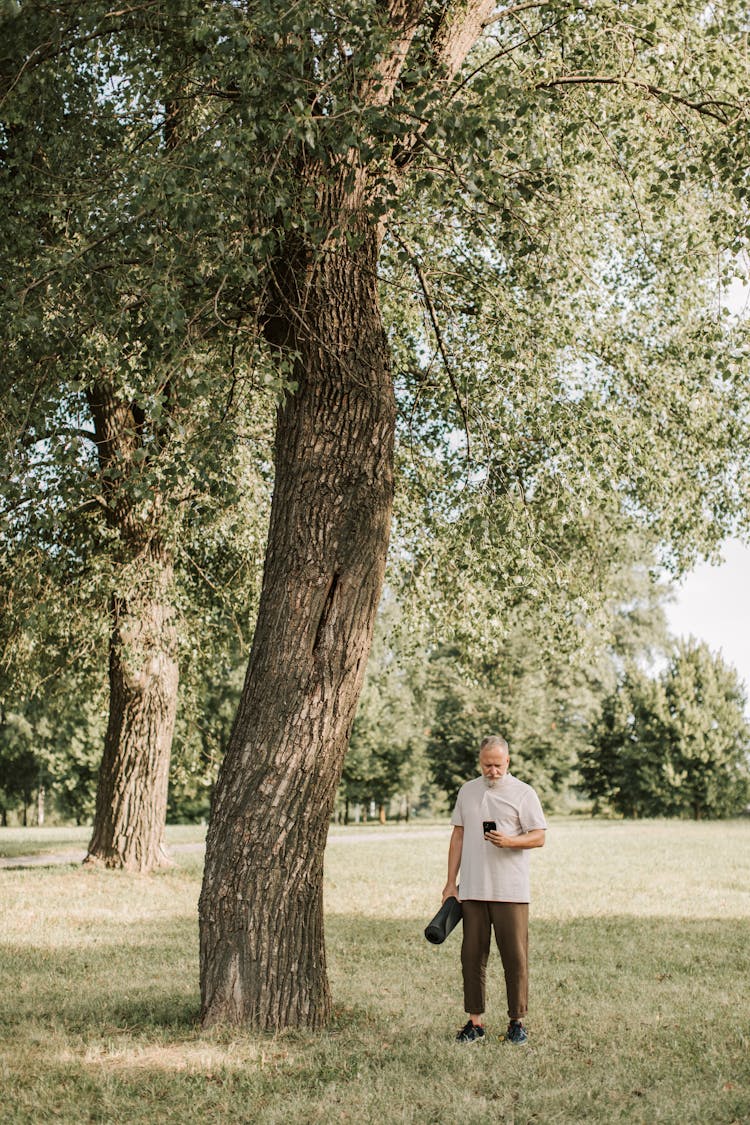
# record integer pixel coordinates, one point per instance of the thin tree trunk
(261, 918)
(131, 800)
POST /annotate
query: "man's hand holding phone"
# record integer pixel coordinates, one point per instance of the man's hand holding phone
(492, 836)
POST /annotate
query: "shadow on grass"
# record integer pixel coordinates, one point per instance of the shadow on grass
(622, 1015)
(147, 973)
(144, 976)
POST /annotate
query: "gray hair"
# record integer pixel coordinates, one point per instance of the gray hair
(494, 742)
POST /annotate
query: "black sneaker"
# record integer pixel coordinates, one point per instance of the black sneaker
(516, 1033)
(471, 1033)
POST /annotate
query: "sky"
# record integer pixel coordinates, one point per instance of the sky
(713, 605)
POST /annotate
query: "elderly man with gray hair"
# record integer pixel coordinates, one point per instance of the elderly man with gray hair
(496, 820)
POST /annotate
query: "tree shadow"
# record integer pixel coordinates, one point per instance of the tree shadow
(624, 1002)
(145, 976)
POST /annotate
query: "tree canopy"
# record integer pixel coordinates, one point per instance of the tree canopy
(569, 213)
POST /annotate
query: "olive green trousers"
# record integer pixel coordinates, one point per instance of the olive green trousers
(510, 921)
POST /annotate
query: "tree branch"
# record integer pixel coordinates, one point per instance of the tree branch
(709, 108)
(454, 32)
(438, 336)
(529, 38)
(403, 17)
(460, 28)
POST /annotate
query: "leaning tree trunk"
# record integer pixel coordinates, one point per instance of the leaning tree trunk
(261, 918)
(131, 799)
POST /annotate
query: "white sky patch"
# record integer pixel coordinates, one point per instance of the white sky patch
(713, 605)
(737, 297)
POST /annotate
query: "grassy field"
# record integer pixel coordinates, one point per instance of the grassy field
(640, 991)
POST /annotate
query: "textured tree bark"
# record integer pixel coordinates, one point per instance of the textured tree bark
(131, 800)
(261, 918)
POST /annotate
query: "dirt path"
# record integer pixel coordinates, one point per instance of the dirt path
(52, 859)
(348, 836)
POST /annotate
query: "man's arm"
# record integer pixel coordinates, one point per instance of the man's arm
(454, 861)
(533, 839)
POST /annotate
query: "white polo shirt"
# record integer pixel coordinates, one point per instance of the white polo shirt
(488, 873)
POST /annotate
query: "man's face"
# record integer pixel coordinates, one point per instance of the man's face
(494, 764)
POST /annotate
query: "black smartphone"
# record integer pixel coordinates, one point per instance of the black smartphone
(488, 825)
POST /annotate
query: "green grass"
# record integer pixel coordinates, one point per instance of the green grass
(640, 1008)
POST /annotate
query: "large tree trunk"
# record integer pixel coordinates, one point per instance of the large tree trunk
(261, 918)
(131, 800)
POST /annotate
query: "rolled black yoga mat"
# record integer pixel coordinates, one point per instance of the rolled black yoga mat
(446, 919)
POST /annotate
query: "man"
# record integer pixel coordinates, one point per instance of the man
(494, 868)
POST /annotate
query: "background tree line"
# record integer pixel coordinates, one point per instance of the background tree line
(644, 726)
